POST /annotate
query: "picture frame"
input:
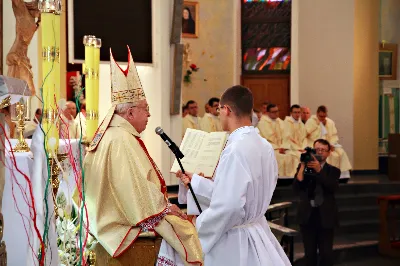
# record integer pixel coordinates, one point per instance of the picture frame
(387, 61)
(190, 19)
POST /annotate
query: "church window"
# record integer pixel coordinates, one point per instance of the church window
(266, 30)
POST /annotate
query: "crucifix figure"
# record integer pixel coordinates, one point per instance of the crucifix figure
(187, 54)
(27, 16)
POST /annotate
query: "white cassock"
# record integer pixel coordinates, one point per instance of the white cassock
(233, 229)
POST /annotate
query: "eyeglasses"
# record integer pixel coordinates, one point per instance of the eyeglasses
(223, 107)
(146, 108)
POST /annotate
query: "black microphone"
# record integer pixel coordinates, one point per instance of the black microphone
(169, 142)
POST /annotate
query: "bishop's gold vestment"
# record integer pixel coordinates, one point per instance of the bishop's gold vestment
(126, 196)
(338, 157)
(272, 131)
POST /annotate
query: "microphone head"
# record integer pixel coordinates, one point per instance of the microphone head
(159, 131)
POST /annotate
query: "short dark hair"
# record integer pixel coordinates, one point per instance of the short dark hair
(212, 101)
(38, 111)
(323, 142)
(322, 109)
(184, 107)
(189, 103)
(294, 106)
(240, 99)
(270, 106)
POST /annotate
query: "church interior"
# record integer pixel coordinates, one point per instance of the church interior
(338, 59)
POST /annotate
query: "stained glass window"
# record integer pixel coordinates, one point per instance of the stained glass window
(266, 30)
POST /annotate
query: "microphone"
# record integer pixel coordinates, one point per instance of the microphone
(175, 149)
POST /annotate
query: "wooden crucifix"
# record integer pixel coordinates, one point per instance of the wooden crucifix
(27, 16)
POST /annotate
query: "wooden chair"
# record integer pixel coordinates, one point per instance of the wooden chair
(389, 237)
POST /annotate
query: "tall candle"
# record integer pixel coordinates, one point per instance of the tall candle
(57, 59)
(89, 42)
(50, 113)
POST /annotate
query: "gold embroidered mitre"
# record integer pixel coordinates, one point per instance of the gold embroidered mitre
(125, 84)
(125, 88)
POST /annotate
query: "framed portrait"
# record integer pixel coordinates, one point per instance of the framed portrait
(190, 19)
(387, 61)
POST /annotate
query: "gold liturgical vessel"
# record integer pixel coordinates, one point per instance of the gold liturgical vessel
(21, 146)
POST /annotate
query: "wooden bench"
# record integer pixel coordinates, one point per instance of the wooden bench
(277, 216)
(389, 237)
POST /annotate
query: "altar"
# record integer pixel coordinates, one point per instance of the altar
(16, 197)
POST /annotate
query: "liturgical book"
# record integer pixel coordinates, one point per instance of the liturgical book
(201, 150)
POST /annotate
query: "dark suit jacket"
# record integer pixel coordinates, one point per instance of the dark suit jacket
(328, 181)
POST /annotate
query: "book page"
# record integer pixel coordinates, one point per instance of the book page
(190, 147)
(210, 152)
(201, 151)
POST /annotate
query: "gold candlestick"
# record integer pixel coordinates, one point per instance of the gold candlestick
(55, 182)
(21, 146)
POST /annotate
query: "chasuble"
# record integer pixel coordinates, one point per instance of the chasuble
(272, 131)
(210, 123)
(294, 142)
(190, 121)
(316, 130)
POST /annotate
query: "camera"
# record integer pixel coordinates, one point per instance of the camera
(307, 157)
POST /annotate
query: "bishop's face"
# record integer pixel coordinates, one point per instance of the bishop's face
(139, 116)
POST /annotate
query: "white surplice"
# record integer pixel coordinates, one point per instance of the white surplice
(233, 229)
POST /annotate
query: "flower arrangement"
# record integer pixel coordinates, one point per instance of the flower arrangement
(192, 68)
(67, 227)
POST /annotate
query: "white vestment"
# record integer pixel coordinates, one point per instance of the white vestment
(233, 229)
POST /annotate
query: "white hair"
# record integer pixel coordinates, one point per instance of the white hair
(121, 108)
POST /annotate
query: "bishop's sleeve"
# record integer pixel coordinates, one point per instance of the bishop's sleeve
(136, 197)
(227, 203)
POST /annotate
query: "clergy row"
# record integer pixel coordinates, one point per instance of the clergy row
(291, 136)
(210, 122)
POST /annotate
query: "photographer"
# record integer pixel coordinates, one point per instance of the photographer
(315, 184)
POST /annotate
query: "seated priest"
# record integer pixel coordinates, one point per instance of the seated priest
(271, 128)
(191, 120)
(9, 126)
(210, 122)
(68, 128)
(126, 194)
(31, 126)
(80, 121)
(294, 138)
(319, 126)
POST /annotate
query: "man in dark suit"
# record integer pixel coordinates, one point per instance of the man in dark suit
(317, 211)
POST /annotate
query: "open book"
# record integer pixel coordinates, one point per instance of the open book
(201, 150)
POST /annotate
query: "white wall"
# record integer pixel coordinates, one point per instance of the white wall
(323, 73)
(156, 81)
(8, 40)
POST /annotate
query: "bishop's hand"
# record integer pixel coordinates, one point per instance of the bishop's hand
(174, 210)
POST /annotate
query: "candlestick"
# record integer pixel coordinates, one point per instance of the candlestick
(21, 146)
